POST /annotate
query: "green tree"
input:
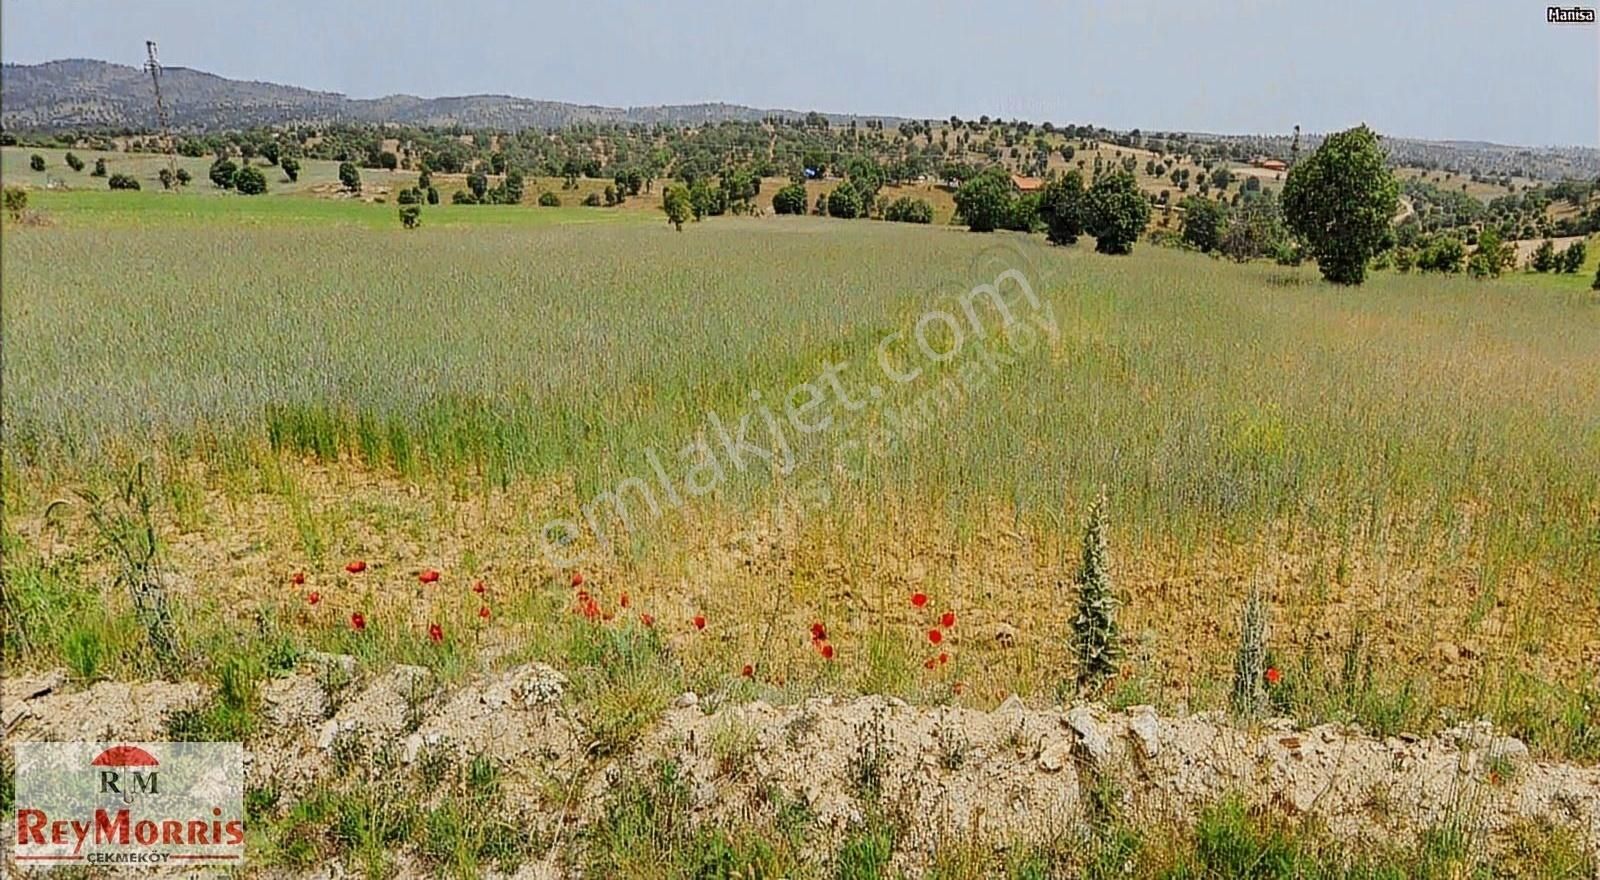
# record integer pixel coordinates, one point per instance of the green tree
(1572, 258)
(349, 177)
(790, 199)
(411, 215)
(1544, 258)
(845, 202)
(271, 152)
(512, 189)
(478, 184)
(184, 177)
(908, 210)
(249, 180)
(548, 199)
(16, 201)
(984, 201)
(1203, 223)
(1062, 207)
(291, 167)
(675, 202)
(1595, 285)
(99, 168)
(167, 178)
(122, 181)
(223, 171)
(1118, 213)
(74, 162)
(36, 162)
(433, 195)
(1340, 200)
(1443, 254)
(1489, 257)
(388, 161)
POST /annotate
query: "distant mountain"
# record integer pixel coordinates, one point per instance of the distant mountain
(81, 93)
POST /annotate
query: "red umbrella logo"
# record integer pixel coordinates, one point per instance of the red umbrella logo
(127, 758)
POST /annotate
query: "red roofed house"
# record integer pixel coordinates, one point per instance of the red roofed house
(1026, 184)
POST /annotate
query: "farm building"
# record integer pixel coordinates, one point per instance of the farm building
(1026, 184)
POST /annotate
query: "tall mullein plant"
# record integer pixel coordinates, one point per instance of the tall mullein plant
(1095, 643)
(1249, 695)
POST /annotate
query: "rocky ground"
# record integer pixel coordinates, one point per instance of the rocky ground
(1012, 773)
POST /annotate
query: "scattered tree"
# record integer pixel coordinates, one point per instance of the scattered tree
(1340, 201)
(1062, 207)
(1203, 223)
(549, 199)
(908, 210)
(184, 177)
(411, 214)
(1118, 213)
(99, 168)
(1572, 258)
(122, 181)
(291, 167)
(1544, 258)
(16, 201)
(675, 202)
(36, 162)
(790, 199)
(349, 177)
(249, 180)
(984, 201)
(845, 202)
(223, 171)
(74, 162)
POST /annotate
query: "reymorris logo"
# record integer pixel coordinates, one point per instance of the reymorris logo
(129, 804)
(1569, 15)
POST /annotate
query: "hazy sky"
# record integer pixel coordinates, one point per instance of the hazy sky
(1469, 69)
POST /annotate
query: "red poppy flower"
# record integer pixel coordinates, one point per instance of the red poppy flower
(479, 588)
(958, 687)
(947, 619)
(583, 597)
(919, 599)
(648, 620)
(483, 612)
(935, 636)
(827, 651)
(358, 621)
(748, 671)
(928, 664)
(818, 632)
(699, 621)
(297, 578)
(1273, 675)
(356, 566)
(577, 579)
(943, 658)
(314, 598)
(623, 600)
(435, 633)
(609, 615)
(428, 576)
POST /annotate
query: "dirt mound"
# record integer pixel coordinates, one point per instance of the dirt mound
(1016, 772)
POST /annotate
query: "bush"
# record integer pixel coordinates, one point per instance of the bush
(74, 162)
(1443, 254)
(99, 168)
(433, 195)
(548, 199)
(16, 201)
(907, 210)
(1572, 258)
(1203, 223)
(184, 177)
(410, 214)
(222, 172)
(349, 177)
(291, 167)
(844, 202)
(1118, 213)
(122, 181)
(592, 200)
(790, 199)
(36, 162)
(676, 203)
(249, 181)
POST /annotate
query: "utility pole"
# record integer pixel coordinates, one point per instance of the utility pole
(154, 66)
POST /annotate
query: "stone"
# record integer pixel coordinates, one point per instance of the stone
(1092, 735)
(1145, 729)
(1056, 756)
(686, 700)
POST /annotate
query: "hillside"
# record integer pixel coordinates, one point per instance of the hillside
(84, 93)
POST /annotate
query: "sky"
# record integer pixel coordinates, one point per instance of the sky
(1465, 69)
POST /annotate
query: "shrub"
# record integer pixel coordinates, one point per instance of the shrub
(1443, 254)
(74, 162)
(349, 177)
(291, 167)
(907, 210)
(249, 181)
(675, 202)
(222, 172)
(16, 201)
(410, 214)
(122, 181)
(99, 168)
(844, 202)
(1572, 258)
(1094, 628)
(184, 177)
(1203, 223)
(548, 199)
(790, 199)
(592, 200)
(36, 162)
(1544, 258)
